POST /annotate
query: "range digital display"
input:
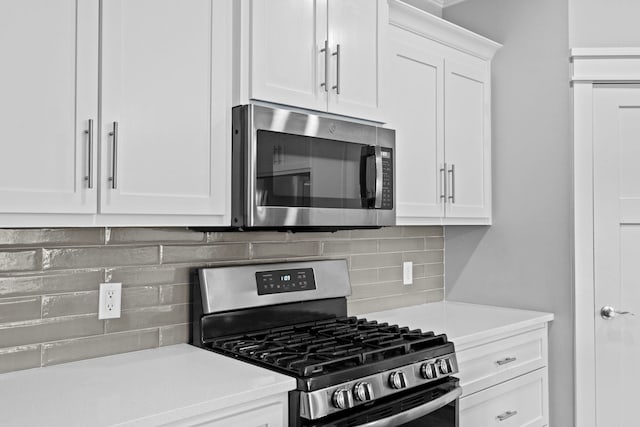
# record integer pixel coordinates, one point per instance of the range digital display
(280, 281)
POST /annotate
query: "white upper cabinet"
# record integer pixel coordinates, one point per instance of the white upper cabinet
(158, 154)
(417, 98)
(163, 109)
(323, 55)
(467, 130)
(438, 99)
(287, 52)
(48, 101)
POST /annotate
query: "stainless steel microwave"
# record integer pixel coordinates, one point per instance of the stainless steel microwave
(302, 171)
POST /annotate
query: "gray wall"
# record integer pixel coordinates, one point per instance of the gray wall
(49, 281)
(524, 259)
(597, 23)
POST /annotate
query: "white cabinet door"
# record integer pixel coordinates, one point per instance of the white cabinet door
(165, 86)
(415, 105)
(48, 94)
(354, 41)
(467, 139)
(288, 62)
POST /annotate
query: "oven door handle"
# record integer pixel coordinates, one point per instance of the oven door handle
(417, 412)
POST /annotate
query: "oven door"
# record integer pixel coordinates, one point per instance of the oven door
(430, 406)
(304, 170)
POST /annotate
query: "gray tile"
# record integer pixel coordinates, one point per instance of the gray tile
(174, 294)
(103, 345)
(434, 243)
(140, 296)
(361, 306)
(434, 269)
(151, 235)
(424, 257)
(50, 283)
(401, 245)
(365, 246)
(46, 330)
(149, 317)
(17, 358)
(316, 236)
(359, 277)
(389, 274)
(380, 233)
(70, 304)
(61, 258)
(247, 236)
(376, 260)
(422, 231)
(285, 250)
(375, 290)
(22, 308)
(175, 334)
(205, 253)
(20, 260)
(141, 276)
(419, 270)
(57, 236)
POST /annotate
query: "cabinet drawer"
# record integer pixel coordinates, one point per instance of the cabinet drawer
(519, 402)
(488, 364)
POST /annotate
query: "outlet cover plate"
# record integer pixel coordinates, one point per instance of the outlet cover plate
(407, 273)
(110, 300)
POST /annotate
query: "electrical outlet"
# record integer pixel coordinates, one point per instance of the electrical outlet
(407, 273)
(110, 300)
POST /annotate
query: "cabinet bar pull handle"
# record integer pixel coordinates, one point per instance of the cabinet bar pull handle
(452, 172)
(506, 360)
(89, 133)
(326, 66)
(506, 415)
(114, 157)
(443, 183)
(337, 55)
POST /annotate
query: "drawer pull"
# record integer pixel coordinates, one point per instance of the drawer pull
(506, 360)
(506, 415)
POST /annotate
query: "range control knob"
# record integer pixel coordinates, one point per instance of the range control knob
(398, 380)
(363, 391)
(342, 399)
(444, 365)
(429, 371)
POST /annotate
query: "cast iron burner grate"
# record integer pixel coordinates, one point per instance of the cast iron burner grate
(328, 346)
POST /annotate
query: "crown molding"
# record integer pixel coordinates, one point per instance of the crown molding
(445, 3)
(412, 19)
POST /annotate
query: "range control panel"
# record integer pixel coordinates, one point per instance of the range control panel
(279, 281)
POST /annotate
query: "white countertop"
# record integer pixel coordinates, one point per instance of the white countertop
(463, 323)
(141, 387)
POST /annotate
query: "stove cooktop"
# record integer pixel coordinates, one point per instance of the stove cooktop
(329, 351)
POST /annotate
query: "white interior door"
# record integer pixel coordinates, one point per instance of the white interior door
(48, 94)
(166, 93)
(414, 99)
(617, 252)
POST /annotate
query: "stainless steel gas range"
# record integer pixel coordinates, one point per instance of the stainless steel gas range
(292, 318)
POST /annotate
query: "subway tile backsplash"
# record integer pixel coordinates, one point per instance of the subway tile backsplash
(49, 280)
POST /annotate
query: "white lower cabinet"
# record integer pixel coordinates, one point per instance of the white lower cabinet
(270, 412)
(505, 381)
(521, 401)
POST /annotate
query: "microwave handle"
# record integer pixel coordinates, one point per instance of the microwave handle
(378, 199)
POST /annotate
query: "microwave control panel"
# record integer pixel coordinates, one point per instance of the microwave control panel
(387, 178)
(280, 281)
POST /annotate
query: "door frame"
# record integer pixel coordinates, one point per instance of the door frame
(590, 66)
